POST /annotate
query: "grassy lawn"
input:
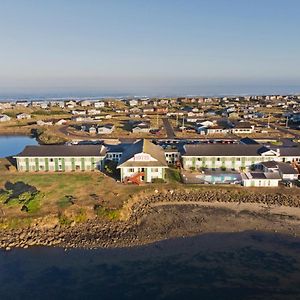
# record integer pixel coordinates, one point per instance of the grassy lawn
(63, 194)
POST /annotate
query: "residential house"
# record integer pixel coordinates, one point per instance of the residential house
(243, 127)
(85, 103)
(133, 102)
(79, 112)
(140, 126)
(23, 116)
(259, 179)
(44, 123)
(99, 104)
(285, 170)
(4, 118)
(105, 129)
(22, 103)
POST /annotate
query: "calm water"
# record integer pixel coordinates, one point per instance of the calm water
(213, 266)
(11, 145)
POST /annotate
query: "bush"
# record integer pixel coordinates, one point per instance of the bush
(81, 216)
(158, 180)
(64, 220)
(111, 214)
(173, 175)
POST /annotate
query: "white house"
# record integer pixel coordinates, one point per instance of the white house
(286, 170)
(133, 102)
(23, 116)
(99, 104)
(105, 129)
(85, 103)
(259, 179)
(4, 118)
(143, 160)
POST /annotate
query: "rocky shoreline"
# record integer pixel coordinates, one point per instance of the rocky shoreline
(169, 214)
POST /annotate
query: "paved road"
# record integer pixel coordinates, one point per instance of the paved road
(169, 129)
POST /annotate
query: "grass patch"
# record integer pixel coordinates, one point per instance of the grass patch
(103, 212)
(64, 220)
(66, 201)
(14, 223)
(81, 216)
(34, 204)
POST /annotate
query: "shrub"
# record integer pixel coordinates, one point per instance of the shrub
(111, 214)
(64, 220)
(158, 180)
(81, 216)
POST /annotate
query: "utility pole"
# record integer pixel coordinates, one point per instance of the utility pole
(157, 120)
(287, 122)
(177, 120)
(269, 121)
(183, 123)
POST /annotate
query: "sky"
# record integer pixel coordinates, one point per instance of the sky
(142, 47)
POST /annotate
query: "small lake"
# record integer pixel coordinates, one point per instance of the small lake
(12, 145)
(247, 265)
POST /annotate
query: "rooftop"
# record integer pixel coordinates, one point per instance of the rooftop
(62, 150)
(143, 146)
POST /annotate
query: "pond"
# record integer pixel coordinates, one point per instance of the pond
(12, 145)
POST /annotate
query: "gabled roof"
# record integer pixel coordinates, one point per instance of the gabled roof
(143, 146)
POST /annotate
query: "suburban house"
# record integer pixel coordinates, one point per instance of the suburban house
(143, 159)
(44, 123)
(6, 105)
(61, 158)
(105, 129)
(133, 102)
(234, 156)
(4, 118)
(85, 103)
(140, 126)
(259, 179)
(99, 104)
(22, 103)
(285, 170)
(23, 116)
(243, 127)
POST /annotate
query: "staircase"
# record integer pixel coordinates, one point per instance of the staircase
(135, 178)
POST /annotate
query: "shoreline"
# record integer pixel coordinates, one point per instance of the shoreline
(160, 217)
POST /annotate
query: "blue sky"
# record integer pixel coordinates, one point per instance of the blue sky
(149, 47)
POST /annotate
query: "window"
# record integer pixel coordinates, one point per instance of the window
(218, 158)
(154, 170)
(131, 170)
(51, 159)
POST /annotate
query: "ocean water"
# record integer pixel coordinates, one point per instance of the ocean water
(11, 145)
(229, 266)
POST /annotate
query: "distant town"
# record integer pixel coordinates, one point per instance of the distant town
(251, 141)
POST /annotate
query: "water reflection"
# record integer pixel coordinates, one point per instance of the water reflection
(212, 266)
(12, 145)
